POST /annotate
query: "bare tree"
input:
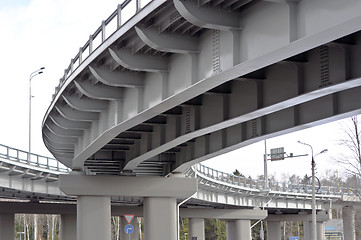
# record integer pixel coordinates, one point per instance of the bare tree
(352, 160)
(352, 142)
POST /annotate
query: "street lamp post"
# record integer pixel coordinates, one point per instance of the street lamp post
(33, 74)
(313, 205)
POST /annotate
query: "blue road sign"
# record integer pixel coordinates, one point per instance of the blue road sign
(293, 238)
(129, 229)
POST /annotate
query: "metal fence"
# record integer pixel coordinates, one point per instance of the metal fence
(121, 15)
(259, 184)
(31, 159)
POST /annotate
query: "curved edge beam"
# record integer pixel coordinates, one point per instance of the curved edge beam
(58, 139)
(167, 42)
(86, 105)
(117, 79)
(101, 92)
(68, 124)
(63, 132)
(74, 115)
(137, 62)
(207, 17)
(61, 147)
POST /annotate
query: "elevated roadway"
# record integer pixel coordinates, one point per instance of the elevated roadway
(27, 176)
(183, 81)
(34, 178)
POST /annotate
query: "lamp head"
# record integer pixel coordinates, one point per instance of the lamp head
(42, 68)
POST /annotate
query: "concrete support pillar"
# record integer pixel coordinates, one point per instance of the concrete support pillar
(320, 231)
(231, 230)
(159, 206)
(68, 227)
(196, 229)
(348, 216)
(93, 221)
(160, 218)
(243, 229)
(239, 230)
(7, 226)
(274, 230)
(306, 230)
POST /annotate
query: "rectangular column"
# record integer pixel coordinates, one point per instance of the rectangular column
(93, 220)
(320, 231)
(68, 227)
(196, 229)
(243, 229)
(306, 230)
(348, 217)
(274, 230)
(231, 230)
(7, 226)
(160, 218)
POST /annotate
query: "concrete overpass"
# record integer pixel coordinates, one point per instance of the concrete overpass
(25, 176)
(184, 81)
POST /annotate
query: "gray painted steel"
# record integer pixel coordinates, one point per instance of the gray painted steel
(184, 81)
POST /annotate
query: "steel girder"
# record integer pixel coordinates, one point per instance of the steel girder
(184, 81)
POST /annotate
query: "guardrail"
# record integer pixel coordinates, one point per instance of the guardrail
(273, 185)
(31, 159)
(106, 29)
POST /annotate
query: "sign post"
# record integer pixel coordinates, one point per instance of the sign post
(129, 229)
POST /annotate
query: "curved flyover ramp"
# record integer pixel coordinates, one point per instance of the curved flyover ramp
(183, 81)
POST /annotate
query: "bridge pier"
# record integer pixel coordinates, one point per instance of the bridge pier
(93, 217)
(307, 229)
(160, 218)
(348, 217)
(239, 230)
(274, 224)
(320, 230)
(196, 228)
(68, 227)
(274, 230)
(94, 203)
(7, 225)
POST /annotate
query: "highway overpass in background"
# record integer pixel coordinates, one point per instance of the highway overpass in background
(29, 184)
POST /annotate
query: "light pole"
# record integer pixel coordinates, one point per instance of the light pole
(314, 220)
(33, 74)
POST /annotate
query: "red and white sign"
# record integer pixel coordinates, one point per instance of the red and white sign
(129, 218)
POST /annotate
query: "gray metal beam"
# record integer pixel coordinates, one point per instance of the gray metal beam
(205, 17)
(116, 78)
(167, 42)
(137, 62)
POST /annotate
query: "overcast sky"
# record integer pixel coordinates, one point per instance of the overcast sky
(48, 33)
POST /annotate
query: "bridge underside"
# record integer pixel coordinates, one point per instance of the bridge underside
(184, 81)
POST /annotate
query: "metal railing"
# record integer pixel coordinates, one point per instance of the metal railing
(31, 159)
(101, 34)
(258, 184)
